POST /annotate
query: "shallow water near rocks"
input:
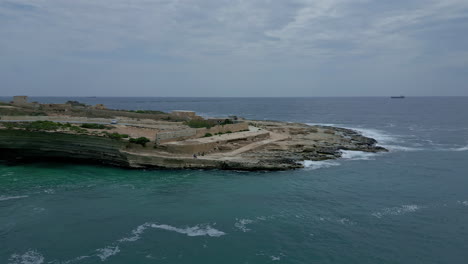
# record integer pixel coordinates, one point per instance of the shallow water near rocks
(406, 206)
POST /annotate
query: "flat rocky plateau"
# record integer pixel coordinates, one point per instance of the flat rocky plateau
(268, 145)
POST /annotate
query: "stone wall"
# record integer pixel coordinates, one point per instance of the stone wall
(222, 129)
(163, 137)
(204, 146)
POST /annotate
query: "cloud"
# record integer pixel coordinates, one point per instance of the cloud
(219, 37)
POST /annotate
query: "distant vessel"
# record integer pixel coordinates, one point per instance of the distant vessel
(398, 97)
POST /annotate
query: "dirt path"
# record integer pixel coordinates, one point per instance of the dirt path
(273, 138)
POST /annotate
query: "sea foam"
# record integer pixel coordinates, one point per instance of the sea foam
(198, 230)
(241, 224)
(465, 148)
(29, 257)
(397, 210)
(5, 198)
(136, 233)
(104, 253)
(356, 155)
(313, 165)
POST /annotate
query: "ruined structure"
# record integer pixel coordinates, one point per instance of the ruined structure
(170, 141)
(185, 115)
(20, 100)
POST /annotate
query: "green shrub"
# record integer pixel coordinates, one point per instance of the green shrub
(228, 132)
(9, 125)
(141, 140)
(77, 129)
(227, 122)
(75, 103)
(154, 112)
(95, 126)
(116, 135)
(199, 124)
(208, 135)
(38, 114)
(43, 125)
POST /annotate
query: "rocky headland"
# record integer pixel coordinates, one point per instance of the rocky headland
(180, 140)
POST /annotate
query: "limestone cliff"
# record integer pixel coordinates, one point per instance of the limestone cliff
(267, 146)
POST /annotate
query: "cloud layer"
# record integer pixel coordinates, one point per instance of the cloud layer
(234, 47)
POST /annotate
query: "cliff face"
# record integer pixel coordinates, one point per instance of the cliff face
(283, 146)
(21, 144)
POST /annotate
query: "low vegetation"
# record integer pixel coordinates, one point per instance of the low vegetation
(199, 124)
(141, 140)
(43, 126)
(153, 112)
(115, 135)
(75, 103)
(227, 122)
(95, 126)
(20, 112)
(208, 135)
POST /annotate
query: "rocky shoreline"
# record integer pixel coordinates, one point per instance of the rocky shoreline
(269, 145)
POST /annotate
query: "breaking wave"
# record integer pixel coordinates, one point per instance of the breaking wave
(198, 230)
(104, 253)
(5, 198)
(465, 148)
(29, 257)
(397, 210)
(384, 139)
(356, 155)
(313, 165)
(241, 224)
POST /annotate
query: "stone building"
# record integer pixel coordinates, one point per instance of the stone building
(20, 100)
(100, 107)
(186, 115)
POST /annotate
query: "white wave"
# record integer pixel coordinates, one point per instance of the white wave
(401, 148)
(324, 124)
(465, 148)
(383, 138)
(104, 253)
(313, 165)
(30, 257)
(136, 233)
(5, 198)
(397, 210)
(49, 191)
(275, 258)
(465, 203)
(356, 155)
(242, 224)
(38, 210)
(75, 259)
(198, 230)
(379, 135)
(345, 221)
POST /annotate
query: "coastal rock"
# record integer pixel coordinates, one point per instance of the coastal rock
(268, 145)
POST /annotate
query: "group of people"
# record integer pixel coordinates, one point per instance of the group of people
(195, 154)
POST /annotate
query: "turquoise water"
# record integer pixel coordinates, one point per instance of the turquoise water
(406, 206)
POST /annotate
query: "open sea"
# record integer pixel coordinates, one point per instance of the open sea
(406, 206)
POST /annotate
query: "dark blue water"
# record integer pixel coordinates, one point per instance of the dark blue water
(406, 206)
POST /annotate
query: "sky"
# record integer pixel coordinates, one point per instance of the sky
(234, 48)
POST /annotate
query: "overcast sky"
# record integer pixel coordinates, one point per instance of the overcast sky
(233, 47)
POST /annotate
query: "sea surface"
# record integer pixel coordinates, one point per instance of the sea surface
(406, 206)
